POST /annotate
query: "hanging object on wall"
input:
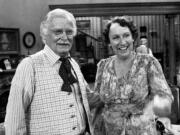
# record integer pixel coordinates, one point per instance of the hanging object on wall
(29, 40)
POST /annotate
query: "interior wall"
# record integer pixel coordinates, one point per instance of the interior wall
(27, 15)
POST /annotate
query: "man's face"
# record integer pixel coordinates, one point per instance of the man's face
(60, 35)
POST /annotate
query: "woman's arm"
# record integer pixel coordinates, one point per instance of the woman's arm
(95, 101)
(159, 89)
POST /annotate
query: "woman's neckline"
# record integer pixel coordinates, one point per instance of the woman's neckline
(132, 59)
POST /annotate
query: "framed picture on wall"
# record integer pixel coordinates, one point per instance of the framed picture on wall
(9, 40)
(83, 24)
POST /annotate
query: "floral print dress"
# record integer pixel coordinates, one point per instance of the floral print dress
(125, 98)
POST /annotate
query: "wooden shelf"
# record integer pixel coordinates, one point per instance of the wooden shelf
(8, 71)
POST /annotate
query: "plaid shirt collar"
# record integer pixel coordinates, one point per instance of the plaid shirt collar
(52, 57)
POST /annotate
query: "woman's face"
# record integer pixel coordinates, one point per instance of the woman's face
(121, 40)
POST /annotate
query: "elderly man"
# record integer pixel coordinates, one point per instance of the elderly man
(48, 92)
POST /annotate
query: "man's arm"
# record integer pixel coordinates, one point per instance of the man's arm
(19, 99)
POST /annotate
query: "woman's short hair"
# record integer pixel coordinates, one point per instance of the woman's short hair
(124, 21)
(56, 13)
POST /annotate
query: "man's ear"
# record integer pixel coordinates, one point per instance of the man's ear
(44, 38)
(109, 45)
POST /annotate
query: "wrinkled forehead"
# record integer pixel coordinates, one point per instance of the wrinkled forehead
(116, 28)
(61, 16)
(61, 23)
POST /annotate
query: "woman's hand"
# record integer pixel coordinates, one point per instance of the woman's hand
(148, 112)
(161, 106)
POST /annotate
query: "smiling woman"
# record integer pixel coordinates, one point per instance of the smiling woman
(127, 83)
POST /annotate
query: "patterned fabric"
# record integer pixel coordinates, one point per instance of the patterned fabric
(126, 97)
(36, 90)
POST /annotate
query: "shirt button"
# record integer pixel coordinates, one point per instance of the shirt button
(71, 105)
(72, 116)
(69, 93)
(74, 128)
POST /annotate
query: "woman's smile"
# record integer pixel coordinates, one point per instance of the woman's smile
(122, 48)
(121, 40)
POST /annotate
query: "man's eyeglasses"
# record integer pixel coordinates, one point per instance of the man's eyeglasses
(61, 33)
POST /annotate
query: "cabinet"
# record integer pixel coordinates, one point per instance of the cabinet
(5, 83)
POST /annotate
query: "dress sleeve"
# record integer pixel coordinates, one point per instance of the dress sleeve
(157, 82)
(94, 97)
(100, 68)
(19, 98)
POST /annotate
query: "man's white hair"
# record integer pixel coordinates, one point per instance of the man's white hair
(56, 13)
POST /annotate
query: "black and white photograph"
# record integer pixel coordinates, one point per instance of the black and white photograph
(90, 67)
(9, 40)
